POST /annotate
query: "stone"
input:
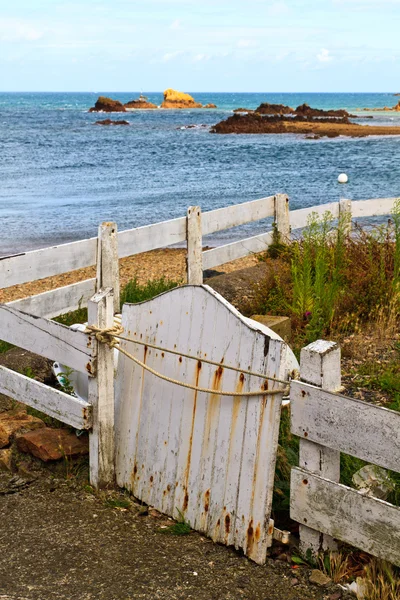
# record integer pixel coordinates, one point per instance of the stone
(281, 325)
(294, 581)
(15, 422)
(140, 103)
(210, 105)
(5, 459)
(104, 104)
(53, 444)
(174, 99)
(110, 122)
(319, 578)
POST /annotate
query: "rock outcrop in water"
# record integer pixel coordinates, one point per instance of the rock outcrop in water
(210, 105)
(254, 123)
(104, 104)
(110, 122)
(304, 110)
(385, 108)
(274, 109)
(174, 99)
(140, 103)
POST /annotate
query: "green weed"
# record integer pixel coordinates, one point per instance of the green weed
(180, 527)
(134, 292)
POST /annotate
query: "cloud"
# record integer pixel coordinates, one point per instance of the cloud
(176, 24)
(201, 57)
(15, 30)
(246, 44)
(171, 56)
(324, 56)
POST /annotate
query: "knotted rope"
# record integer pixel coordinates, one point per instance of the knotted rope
(110, 336)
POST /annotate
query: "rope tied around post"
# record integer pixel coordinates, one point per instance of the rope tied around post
(110, 335)
(106, 336)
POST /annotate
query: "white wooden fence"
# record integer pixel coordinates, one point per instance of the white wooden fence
(327, 424)
(38, 264)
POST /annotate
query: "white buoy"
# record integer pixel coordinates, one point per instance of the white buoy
(343, 178)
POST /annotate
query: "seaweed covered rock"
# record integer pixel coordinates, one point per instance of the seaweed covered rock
(104, 104)
(304, 110)
(274, 109)
(174, 99)
(110, 122)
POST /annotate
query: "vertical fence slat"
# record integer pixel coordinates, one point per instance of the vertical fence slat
(194, 246)
(101, 395)
(281, 216)
(345, 214)
(107, 261)
(319, 366)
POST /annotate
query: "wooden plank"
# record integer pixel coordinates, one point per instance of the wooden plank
(281, 217)
(107, 261)
(72, 411)
(320, 366)
(47, 338)
(54, 260)
(345, 514)
(369, 432)
(57, 302)
(228, 252)
(372, 208)
(237, 214)
(101, 395)
(299, 218)
(194, 246)
(151, 237)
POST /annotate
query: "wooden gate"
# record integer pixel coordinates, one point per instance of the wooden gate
(211, 457)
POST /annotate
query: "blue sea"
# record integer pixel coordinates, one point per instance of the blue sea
(61, 175)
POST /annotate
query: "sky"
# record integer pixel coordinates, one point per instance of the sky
(200, 45)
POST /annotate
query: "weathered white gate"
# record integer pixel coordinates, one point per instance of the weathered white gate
(209, 456)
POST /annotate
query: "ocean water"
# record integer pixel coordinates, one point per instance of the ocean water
(61, 175)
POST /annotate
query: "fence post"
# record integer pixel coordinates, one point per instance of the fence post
(319, 366)
(101, 395)
(281, 216)
(107, 261)
(194, 260)
(345, 215)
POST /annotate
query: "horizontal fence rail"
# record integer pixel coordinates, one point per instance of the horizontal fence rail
(55, 403)
(47, 338)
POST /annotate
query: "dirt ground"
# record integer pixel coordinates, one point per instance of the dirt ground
(60, 541)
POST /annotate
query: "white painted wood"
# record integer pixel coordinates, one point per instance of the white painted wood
(107, 261)
(299, 218)
(52, 402)
(371, 208)
(228, 252)
(47, 338)
(237, 214)
(320, 366)
(369, 432)
(151, 237)
(345, 215)
(187, 450)
(281, 217)
(57, 302)
(344, 513)
(54, 260)
(101, 395)
(194, 246)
